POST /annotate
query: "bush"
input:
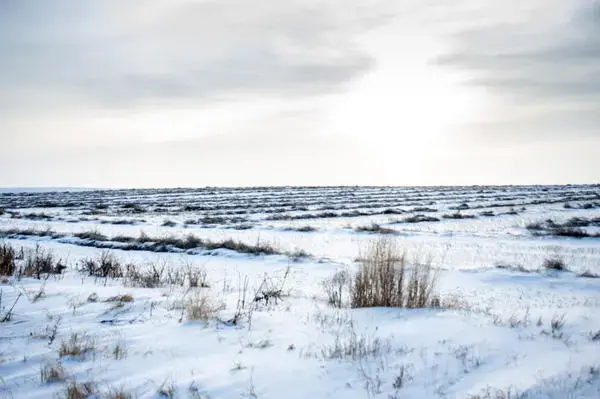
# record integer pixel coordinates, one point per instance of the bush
(554, 264)
(375, 228)
(40, 261)
(7, 260)
(571, 228)
(305, 229)
(76, 346)
(134, 207)
(201, 308)
(76, 390)
(196, 277)
(496, 393)
(419, 219)
(335, 287)
(458, 215)
(52, 373)
(105, 266)
(119, 351)
(117, 394)
(384, 280)
(588, 274)
(575, 232)
(149, 277)
(120, 298)
(93, 235)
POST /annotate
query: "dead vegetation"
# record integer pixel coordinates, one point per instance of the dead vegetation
(8, 313)
(588, 274)
(119, 351)
(498, 393)
(120, 298)
(271, 290)
(53, 372)
(85, 390)
(375, 228)
(336, 288)
(571, 228)
(7, 260)
(303, 229)
(458, 215)
(354, 347)
(166, 390)
(40, 262)
(554, 263)
(94, 235)
(154, 244)
(201, 308)
(419, 219)
(77, 346)
(384, 279)
(117, 394)
(106, 265)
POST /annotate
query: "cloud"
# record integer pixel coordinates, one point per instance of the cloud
(296, 91)
(116, 53)
(552, 55)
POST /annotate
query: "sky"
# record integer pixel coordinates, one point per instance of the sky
(189, 93)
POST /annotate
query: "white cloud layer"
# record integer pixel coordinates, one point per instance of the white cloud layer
(230, 92)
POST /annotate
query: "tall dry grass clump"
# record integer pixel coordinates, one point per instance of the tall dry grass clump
(7, 260)
(385, 279)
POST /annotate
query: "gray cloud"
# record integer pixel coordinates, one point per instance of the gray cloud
(535, 62)
(192, 92)
(120, 53)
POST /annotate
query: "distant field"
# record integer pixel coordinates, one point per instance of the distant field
(228, 292)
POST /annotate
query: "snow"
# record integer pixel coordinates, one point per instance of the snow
(501, 337)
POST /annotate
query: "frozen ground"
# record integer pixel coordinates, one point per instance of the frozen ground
(514, 330)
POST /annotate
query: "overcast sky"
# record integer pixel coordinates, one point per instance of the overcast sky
(166, 93)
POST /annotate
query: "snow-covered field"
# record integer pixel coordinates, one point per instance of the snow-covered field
(507, 327)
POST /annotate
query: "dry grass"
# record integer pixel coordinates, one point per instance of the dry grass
(496, 393)
(77, 346)
(458, 215)
(145, 242)
(119, 351)
(304, 229)
(50, 373)
(93, 235)
(75, 390)
(93, 297)
(120, 298)
(106, 265)
(196, 277)
(554, 264)
(7, 260)
(201, 307)
(40, 262)
(355, 347)
(117, 394)
(383, 279)
(336, 288)
(166, 390)
(588, 274)
(375, 228)
(419, 219)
